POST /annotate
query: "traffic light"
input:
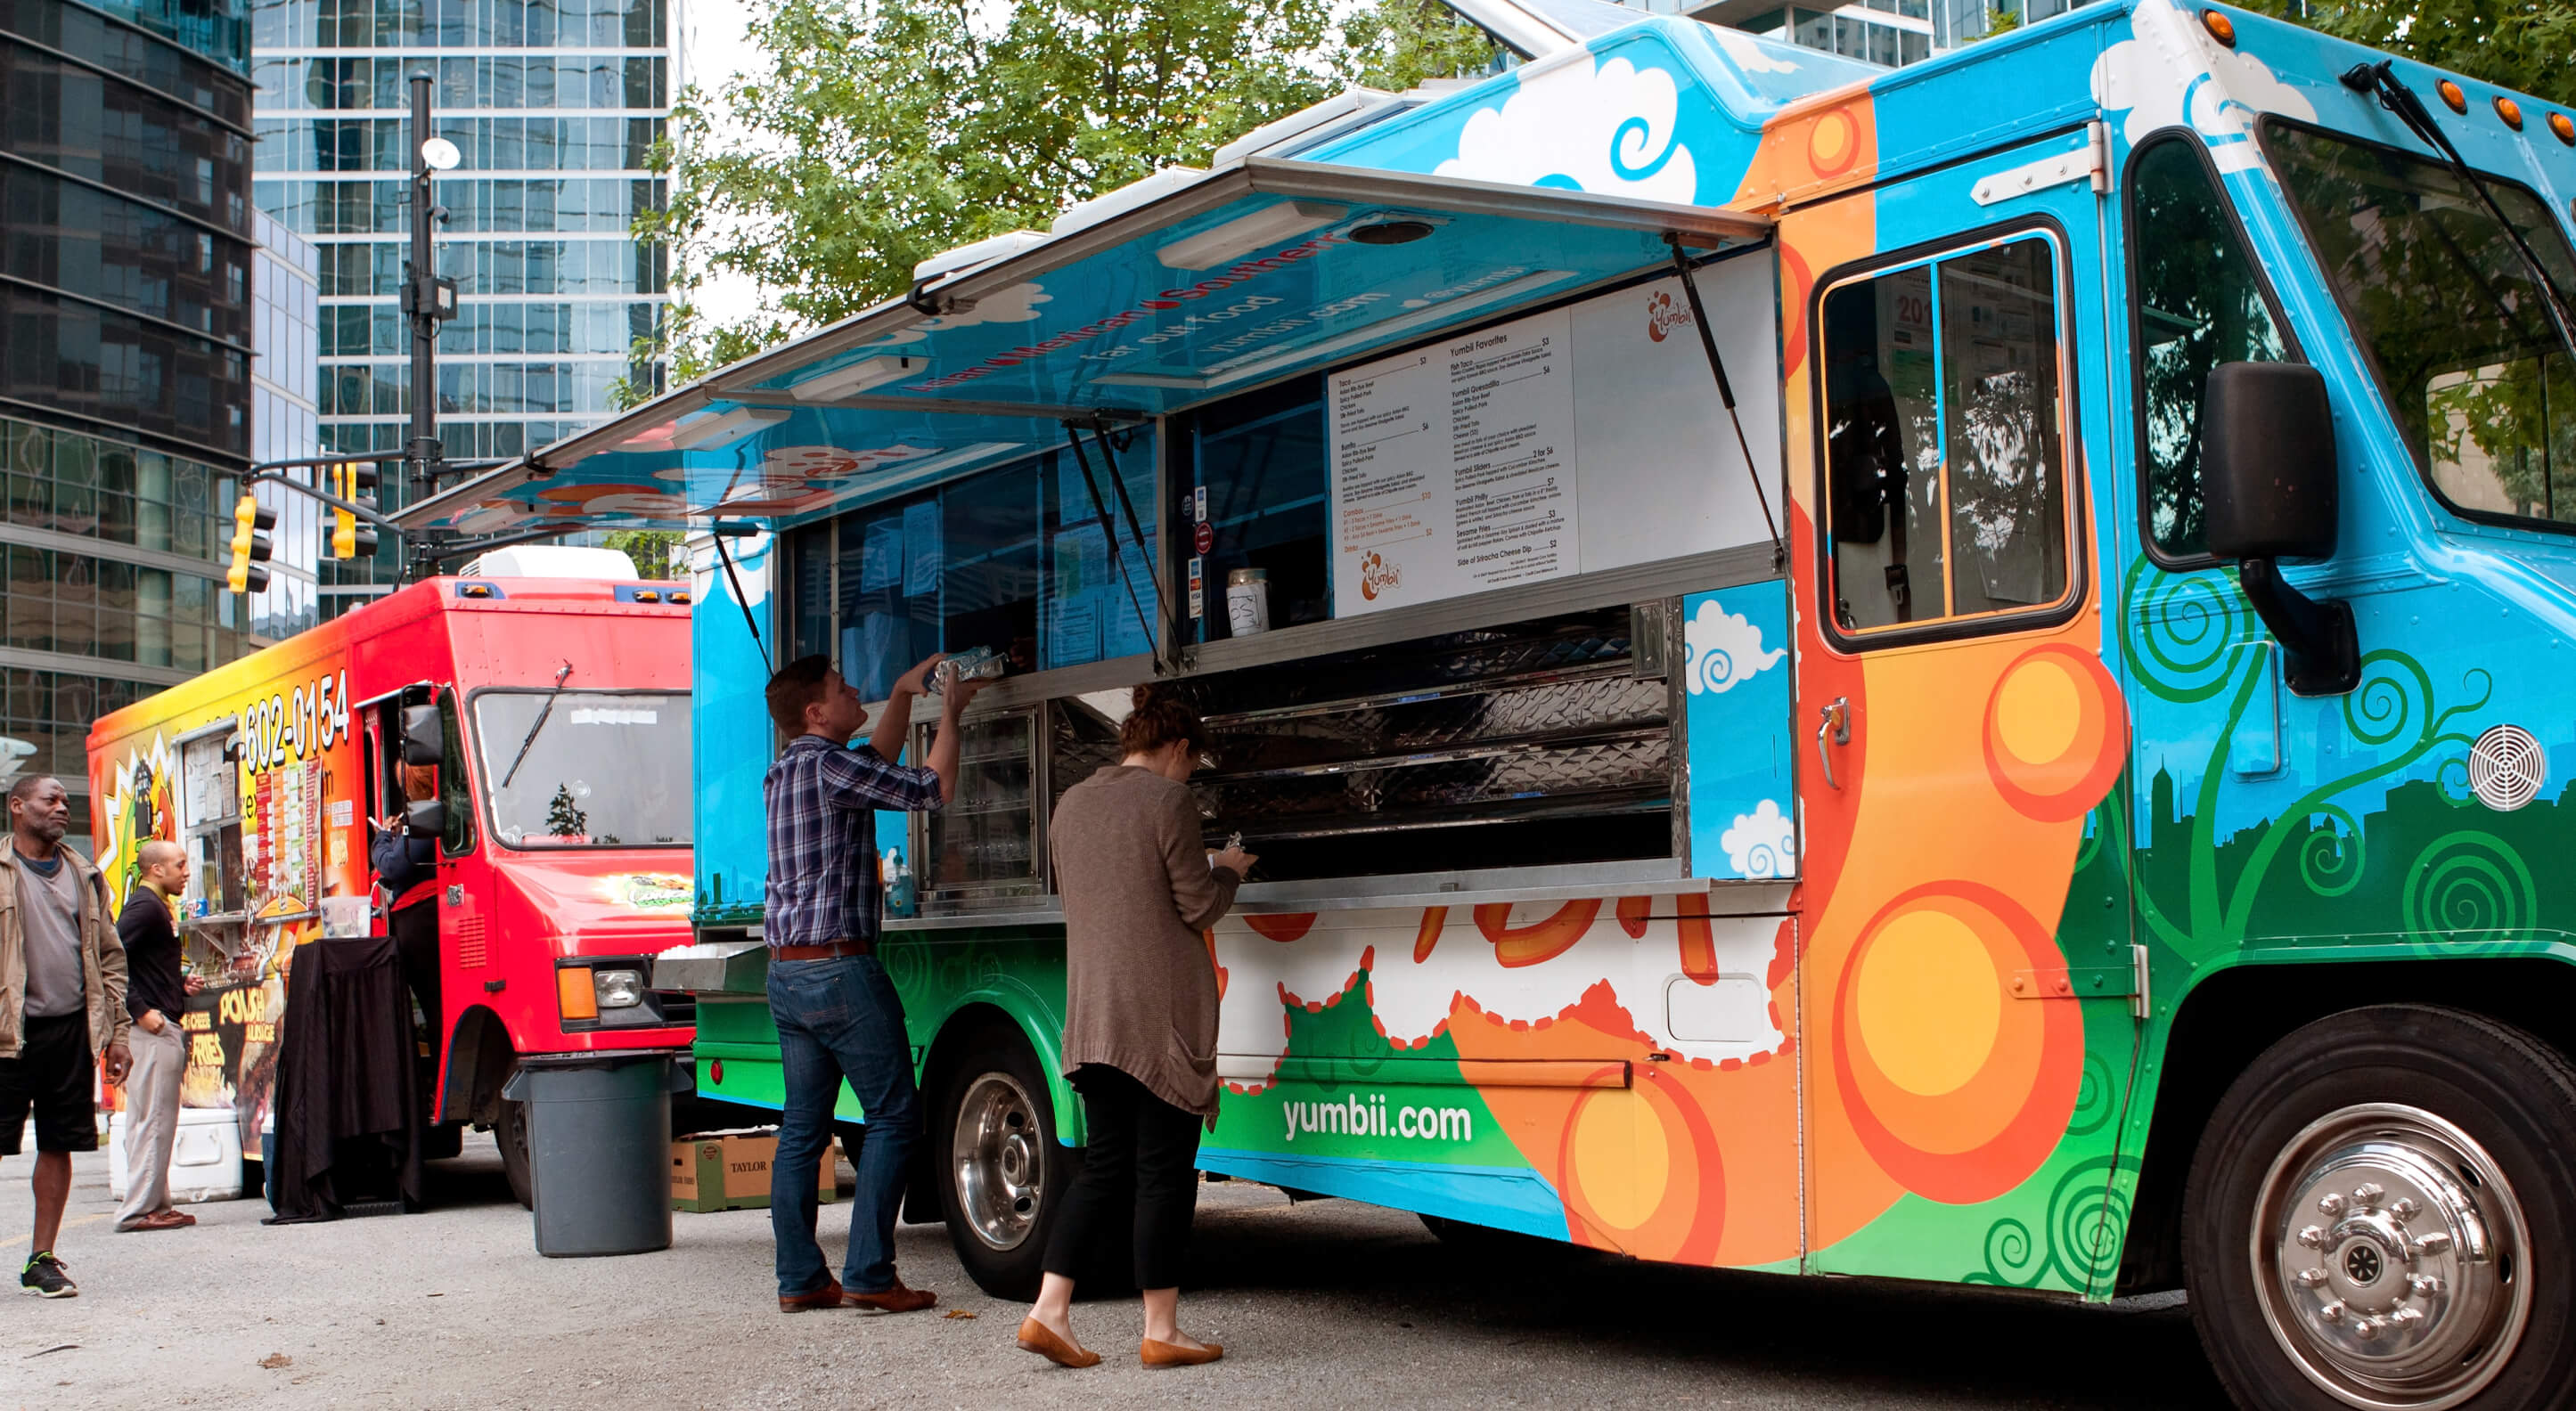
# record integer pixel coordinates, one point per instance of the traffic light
(251, 523)
(354, 481)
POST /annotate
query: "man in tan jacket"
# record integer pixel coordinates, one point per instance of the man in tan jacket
(62, 1008)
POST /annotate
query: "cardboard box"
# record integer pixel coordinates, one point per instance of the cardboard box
(730, 1171)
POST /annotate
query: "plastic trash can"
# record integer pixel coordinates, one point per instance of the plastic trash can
(599, 1151)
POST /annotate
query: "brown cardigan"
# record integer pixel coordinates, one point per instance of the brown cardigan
(1140, 986)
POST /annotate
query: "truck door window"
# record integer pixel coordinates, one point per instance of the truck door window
(1945, 485)
(2199, 304)
(452, 792)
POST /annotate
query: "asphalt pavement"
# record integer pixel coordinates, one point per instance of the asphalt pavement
(1322, 1305)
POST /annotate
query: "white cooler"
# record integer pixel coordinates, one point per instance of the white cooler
(205, 1162)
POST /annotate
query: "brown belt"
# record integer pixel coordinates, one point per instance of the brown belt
(825, 951)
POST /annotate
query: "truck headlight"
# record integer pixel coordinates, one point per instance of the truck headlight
(618, 989)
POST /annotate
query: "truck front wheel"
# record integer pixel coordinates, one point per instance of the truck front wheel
(2379, 1215)
(510, 1134)
(1002, 1177)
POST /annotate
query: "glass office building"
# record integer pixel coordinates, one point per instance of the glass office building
(285, 425)
(1890, 32)
(125, 375)
(556, 106)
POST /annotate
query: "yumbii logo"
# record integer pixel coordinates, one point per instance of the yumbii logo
(1370, 1115)
(1663, 314)
(1377, 575)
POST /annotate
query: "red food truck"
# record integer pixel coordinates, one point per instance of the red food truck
(542, 728)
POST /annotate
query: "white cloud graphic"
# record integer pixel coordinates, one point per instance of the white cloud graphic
(1603, 127)
(2172, 73)
(1747, 54)
(1761, 844)
(1725, 649)
(1017, 304)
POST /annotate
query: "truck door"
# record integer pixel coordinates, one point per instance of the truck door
(1966, 962)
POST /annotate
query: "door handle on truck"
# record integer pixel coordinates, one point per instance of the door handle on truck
(1837, 724)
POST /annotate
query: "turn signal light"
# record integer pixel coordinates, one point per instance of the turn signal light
(2511, 112)
(575, 994)
(2452, 95)
(2563, 127)
(2220, 27)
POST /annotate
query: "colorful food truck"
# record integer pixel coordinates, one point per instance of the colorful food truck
(1950, 674)
(539, 727)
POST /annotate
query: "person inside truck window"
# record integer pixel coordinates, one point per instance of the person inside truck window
(1881, 511)
(1943, 439)
(407, 868)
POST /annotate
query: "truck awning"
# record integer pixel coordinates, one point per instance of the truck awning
(1181, 289)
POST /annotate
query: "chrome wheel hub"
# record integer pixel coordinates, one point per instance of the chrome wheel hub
(2389, 1257)
(998, 1161)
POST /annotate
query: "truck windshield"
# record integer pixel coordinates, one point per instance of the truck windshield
(609, 769)
(2456, 330)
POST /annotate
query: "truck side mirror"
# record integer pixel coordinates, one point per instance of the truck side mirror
(2268, 492)
(426, 818)
(424, 740)
(2267, 462)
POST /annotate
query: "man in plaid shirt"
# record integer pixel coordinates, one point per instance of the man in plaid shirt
(838, 1015)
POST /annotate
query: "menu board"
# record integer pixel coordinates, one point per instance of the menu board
(1453, 467)
(1585, 438)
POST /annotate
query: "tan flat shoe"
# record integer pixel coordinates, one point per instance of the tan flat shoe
(1172, 1354)
(1037, 1337)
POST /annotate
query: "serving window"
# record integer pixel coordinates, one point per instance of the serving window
(1946, 425)
(1014, 558)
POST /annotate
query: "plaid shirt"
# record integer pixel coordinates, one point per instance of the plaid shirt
(822, 803)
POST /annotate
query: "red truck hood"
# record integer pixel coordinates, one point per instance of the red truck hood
(616, 901)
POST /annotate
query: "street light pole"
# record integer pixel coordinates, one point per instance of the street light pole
(427, 301)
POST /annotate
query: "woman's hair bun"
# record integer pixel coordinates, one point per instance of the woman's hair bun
(1160, 717)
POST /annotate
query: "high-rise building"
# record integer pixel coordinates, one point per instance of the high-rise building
(286, 287)
(125, 372)
(1890, 32)
(555, 106)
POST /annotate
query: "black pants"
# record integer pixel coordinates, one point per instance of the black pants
(1142, 1149)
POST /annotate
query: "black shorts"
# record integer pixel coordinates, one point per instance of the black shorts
(55, 1074)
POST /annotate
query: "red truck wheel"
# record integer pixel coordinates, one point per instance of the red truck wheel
(510, 1133)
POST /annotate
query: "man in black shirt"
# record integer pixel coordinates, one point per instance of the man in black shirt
(155, 996)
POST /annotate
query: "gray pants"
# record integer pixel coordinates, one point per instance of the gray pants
(151, 1116)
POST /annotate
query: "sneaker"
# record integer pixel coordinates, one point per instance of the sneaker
(44, 1277)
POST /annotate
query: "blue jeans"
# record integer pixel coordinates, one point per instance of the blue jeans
(840, 1018)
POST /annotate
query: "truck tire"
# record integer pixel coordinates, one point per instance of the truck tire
(2382, 1214)
(1002, 1176)
(510, 1134)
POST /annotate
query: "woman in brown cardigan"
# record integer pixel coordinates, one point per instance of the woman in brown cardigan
(1140, 1019)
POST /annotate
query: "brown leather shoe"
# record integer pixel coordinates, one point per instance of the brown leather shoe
(894, 1300)
(1172, 1354)
(1037, 1337)
(828, 1296)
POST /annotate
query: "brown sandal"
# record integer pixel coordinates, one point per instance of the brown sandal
(1037, 1337)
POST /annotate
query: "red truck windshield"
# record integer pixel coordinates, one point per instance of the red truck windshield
(603, 769)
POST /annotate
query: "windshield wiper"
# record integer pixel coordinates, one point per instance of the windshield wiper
(2380, 79)
(547, 709)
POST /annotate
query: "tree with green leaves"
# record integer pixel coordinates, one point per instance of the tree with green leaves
(2519, 44)
(654, 552)
(885, 131)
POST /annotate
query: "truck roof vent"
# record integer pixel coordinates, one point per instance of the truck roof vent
(552, 561)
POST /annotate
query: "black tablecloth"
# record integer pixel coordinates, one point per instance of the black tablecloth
(348, 1100)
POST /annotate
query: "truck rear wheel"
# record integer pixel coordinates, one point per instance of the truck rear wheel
(2379, 1215)
(1002, 1176)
